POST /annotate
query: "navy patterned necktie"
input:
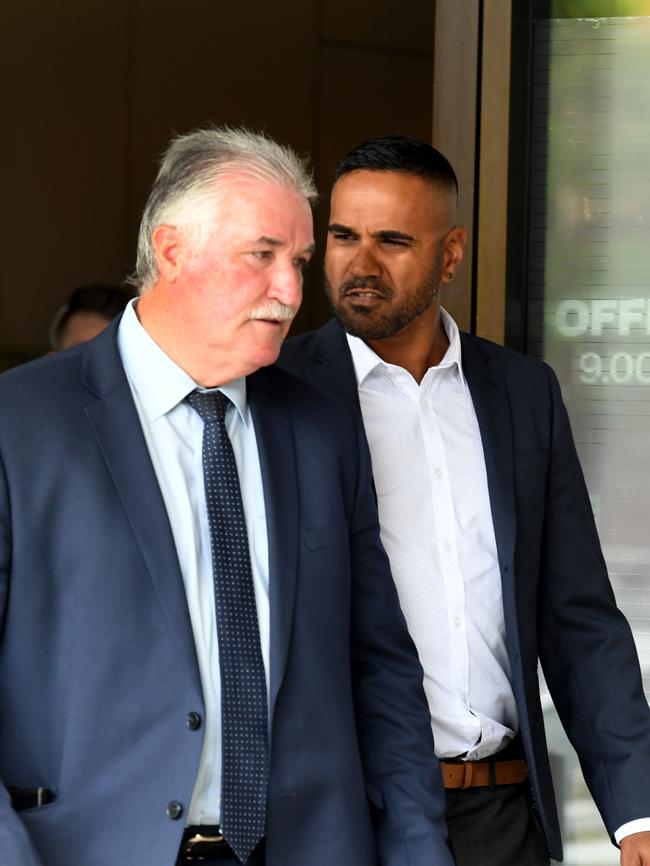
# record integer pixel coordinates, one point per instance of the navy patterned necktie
(244, 712)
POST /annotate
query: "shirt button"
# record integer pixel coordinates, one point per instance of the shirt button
(457, 621)
(174, 810)
(438, 472)
(193, 721)
(447, 546)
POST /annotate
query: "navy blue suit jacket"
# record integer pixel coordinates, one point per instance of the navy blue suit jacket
(98, 669)
(558, 602)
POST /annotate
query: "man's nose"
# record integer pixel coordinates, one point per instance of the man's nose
(286, 285)
(365, 263)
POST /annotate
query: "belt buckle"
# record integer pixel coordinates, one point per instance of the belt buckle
(196, 840)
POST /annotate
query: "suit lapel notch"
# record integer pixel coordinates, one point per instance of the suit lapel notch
(332, 369)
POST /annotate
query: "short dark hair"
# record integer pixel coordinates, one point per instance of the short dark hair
(399, 153)
(101, 298)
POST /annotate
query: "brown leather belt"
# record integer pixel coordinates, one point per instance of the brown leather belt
(482, 774)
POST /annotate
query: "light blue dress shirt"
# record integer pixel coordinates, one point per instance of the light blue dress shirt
(173, 432)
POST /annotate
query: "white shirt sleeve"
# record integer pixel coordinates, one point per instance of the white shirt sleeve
(636, 826)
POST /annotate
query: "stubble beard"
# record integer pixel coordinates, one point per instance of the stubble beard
(369, 324)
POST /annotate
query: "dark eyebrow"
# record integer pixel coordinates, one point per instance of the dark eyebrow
(392, 235)
(382, 235)
(340, 229)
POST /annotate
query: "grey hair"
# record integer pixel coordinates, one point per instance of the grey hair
(183, 191)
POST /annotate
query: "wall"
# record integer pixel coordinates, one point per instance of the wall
(93, 89)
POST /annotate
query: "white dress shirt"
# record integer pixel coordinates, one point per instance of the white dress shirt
(436, 526)
(173, 432)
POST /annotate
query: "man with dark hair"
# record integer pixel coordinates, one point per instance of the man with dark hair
(86, 313)
(485, 517)
(202, 657)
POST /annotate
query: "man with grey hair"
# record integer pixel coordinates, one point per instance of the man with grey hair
(202, 656)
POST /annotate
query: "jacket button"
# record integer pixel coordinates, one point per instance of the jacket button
(174, 810)
(193, 721)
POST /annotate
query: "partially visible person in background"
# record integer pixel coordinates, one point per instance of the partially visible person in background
(86, 313)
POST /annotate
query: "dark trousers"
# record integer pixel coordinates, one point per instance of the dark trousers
(494, 828)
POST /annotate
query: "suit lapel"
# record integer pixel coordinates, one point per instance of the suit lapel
(331, 368)
(279, 478)
(490, 398)
(114, 420)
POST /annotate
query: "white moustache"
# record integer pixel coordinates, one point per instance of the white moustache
(276, 312)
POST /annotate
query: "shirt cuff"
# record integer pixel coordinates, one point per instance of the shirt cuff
(636, 826)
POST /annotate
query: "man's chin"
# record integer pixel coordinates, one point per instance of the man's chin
(364, 325)
(267, 355)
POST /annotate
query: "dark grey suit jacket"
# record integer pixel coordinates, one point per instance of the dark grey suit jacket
(558, 602)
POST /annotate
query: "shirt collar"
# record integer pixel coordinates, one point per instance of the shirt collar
(365, 360)
(160, 383)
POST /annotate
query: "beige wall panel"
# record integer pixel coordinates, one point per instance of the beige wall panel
(407, 29)
(361, 95)
(493, 173)
(454, 126)
(62, 88)
(250, 63)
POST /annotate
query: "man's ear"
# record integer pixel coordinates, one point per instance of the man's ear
(454, 249)
(170, 251)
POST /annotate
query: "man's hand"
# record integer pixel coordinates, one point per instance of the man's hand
(635, 849)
